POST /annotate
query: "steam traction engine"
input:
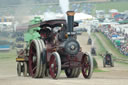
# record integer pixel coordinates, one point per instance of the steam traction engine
(52, 47)
(107, 60)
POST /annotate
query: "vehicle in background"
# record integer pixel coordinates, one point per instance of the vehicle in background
(107, 60)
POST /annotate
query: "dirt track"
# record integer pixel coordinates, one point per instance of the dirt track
(117, 75)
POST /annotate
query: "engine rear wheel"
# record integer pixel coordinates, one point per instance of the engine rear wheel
(34, 59)
(87, 65)
(55, 65)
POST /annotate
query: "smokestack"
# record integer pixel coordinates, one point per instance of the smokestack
(70, 19)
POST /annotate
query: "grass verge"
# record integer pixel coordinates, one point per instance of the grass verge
(121, 6)
(111, 46)
(101, 48)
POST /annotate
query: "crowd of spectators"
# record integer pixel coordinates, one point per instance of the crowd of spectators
(118, 37)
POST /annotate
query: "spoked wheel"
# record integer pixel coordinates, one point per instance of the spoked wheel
(55, 65)
(19, 68)
(34, 59)
(87, 66)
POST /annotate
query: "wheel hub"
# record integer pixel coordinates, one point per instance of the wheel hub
(52, 65)
(34, 58)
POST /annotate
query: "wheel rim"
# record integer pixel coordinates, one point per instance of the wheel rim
(34, 59)
(87, 66)
(55, 65)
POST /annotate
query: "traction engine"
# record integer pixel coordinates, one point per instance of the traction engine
(52, 46)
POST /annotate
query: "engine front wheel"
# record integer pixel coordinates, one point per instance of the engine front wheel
(87, 66)
(55, 65)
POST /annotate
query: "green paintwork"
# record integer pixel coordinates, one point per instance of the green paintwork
(32, 31)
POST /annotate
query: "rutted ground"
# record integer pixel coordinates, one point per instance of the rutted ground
(117, 75)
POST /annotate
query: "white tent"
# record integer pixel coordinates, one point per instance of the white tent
(82, 16)
(113, 11)
(77, 17)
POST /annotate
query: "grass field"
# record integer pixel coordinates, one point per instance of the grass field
(121, 6)
(111, 46)
(100, 48)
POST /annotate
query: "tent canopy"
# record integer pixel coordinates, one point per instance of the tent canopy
(82, 16)
(115, 35)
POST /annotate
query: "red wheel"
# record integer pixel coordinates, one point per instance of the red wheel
(55, 65)
(34, 59)
(87, 66)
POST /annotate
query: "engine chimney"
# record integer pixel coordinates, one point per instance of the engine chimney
(70, 23)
